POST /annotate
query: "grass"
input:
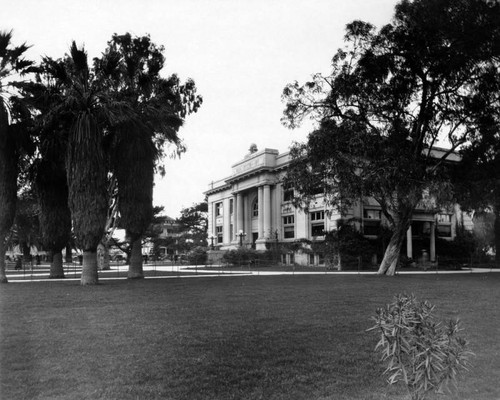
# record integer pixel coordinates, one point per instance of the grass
(274, 337)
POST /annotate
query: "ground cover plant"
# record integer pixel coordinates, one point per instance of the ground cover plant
(253, 337)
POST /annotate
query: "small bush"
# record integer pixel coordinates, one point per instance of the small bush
(240, 256)
(418, 350)
(197, 256)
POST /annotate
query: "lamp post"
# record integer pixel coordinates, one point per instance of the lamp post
(241, 234)
(211, 237)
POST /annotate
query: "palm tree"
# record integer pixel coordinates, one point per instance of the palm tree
(88, 106)
(52, 194)
(11, 62)
(160, 106)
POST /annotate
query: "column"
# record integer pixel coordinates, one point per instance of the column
(267, 211)
(409, 243)
(261, 212)
(226, 218)
(433, 242)
(239, 214)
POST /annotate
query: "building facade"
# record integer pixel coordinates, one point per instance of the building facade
(253, 208)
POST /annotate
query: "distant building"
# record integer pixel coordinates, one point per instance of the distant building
(252, 207)
(168, 232)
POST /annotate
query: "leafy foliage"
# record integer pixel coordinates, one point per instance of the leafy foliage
(423, 353)
(430, 74)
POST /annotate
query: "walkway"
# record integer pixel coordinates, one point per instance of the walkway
(73, 273)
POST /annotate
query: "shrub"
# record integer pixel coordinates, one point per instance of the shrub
(240, 256)
(197, 256)
(418, 350)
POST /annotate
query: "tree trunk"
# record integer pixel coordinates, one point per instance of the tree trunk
(89, 268)
(68, 256)
(393, 251)
(496, 230)
(3, 249)
(103, 255)
(56, 266)
(135, 267)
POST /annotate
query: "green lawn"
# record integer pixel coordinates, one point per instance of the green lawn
(274, 337)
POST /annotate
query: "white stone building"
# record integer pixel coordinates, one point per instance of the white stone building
(251, 207)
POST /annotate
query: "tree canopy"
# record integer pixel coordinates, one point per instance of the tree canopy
(428, 77)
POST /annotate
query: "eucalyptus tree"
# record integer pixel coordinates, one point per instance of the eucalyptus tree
(391, 96)
(160, 105)
(13, 136)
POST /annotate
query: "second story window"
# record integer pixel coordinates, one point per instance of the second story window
(317, 223)
(287, 193)
(255, 208)
(371, 221)
(444, 225)
(218, 209)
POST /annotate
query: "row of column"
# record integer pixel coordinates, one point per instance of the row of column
(264, 212)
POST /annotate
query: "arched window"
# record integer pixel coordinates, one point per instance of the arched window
(255, 208)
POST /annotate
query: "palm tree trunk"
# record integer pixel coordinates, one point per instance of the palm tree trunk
(135, 267)
(89, 268)
(496, 230)
(3, 249)
(56, 266)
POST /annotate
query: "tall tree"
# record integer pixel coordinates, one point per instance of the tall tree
(391, 96)
(88, 107)
(160, 106)
(477, 177)
(12, 136)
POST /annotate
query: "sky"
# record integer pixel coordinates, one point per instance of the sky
(240, 53)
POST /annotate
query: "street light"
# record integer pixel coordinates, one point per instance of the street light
(241, 234)
(212, 237)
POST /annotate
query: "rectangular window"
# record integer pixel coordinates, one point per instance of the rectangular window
(317, 216)
(311, 259)
(317, 229)
(444, 218)
(444, 230)
(231, 207)
(218, 209)
(317, 223)
(321, 259)
(289, 227)
(371, 221)
(287, 193)
(220, 236)
(371, 214)
(231, 231)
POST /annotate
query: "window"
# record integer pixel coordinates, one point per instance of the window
(444, 225)
(317, 216)
(255, 208)
(220, 236)
(371, 214)
(444, 230)
(311, 259)
(231, 231)
(287, 193)
(218, 209)
(289, 227)
(231, 207)
(371, 221)
(444, 218)
(317, 223)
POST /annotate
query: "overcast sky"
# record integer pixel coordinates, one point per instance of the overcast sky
(241, 54)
